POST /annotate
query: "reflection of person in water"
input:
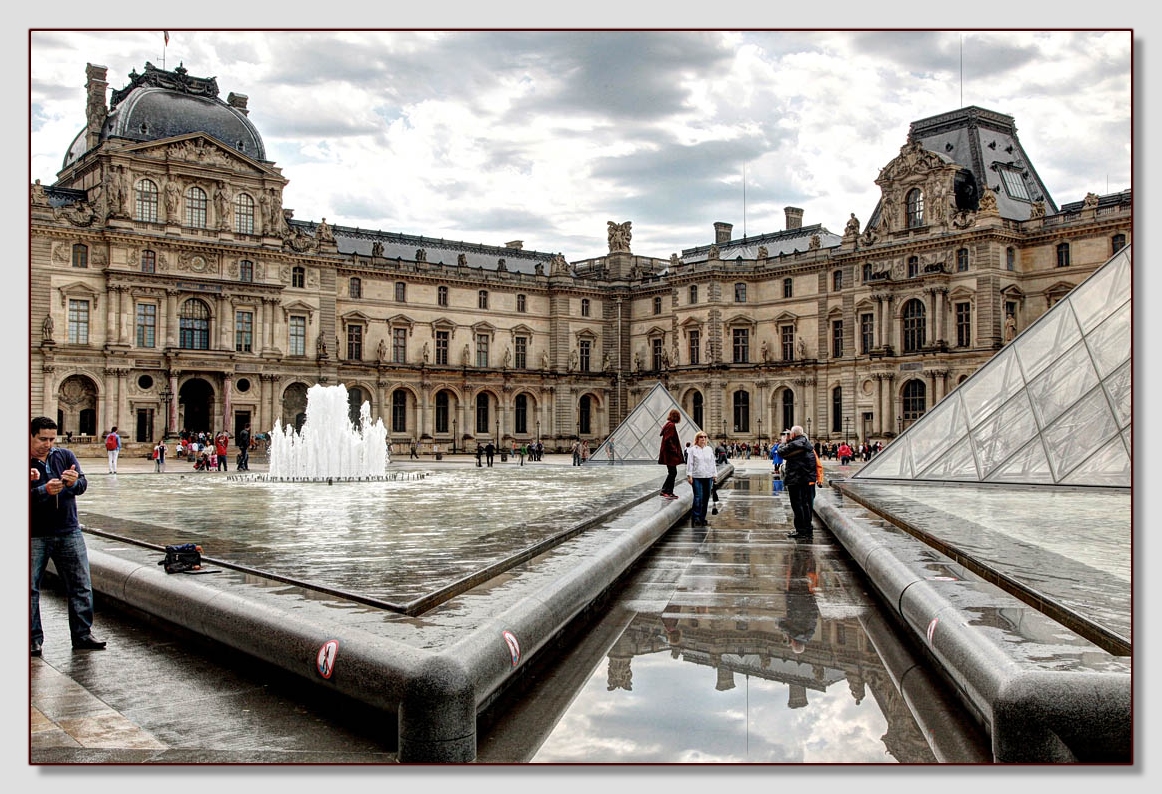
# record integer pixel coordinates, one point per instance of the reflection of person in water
(802, 611)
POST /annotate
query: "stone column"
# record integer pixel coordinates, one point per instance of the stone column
(50, 396)
(227, 398)
(171, 319)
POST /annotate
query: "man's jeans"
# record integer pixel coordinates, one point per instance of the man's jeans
(71, 559)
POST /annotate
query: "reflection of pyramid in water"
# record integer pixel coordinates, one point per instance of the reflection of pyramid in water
(637, 439)
(1051, 408)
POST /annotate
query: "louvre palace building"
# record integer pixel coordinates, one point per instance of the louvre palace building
(171, 290)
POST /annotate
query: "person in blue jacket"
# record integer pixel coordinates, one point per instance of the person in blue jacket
(55, 481)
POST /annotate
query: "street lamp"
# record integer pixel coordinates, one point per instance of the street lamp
(454, 434)
(847, 430)
(760, 428)
(166, 395)
(538, 431)
(808, 427)
(498, 431)
(723, 429)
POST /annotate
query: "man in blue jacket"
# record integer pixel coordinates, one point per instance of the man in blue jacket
(799, 478)
(55, 480)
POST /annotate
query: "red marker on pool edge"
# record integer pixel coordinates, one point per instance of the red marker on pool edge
(325, 663)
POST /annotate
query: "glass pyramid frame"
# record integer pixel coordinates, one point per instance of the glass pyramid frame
(1052, 407)
(638, 438)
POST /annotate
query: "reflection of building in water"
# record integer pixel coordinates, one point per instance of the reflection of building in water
(744, 637)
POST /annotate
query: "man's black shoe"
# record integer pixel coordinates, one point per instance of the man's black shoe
(89, 643)
(35, 648)
(799, 535)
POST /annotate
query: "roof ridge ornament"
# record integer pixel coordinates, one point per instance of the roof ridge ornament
(178, 80)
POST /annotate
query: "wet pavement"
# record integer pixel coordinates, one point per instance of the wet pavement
(688, 662)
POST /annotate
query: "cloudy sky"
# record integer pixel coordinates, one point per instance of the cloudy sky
(544, 136)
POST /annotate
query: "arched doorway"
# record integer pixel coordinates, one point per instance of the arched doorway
(294, 406)
(77, 407)
(196, 400)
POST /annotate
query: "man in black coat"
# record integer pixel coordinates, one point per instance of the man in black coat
(798, 476)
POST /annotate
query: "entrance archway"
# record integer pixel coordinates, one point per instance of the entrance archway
(77, 407)
(196, 398)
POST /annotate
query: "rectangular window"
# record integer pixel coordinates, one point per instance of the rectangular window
(401, 292)
(399, 411)
(78, 322)
(442, 340)
(196, 208)
(741, 340)
(584, 307)
(693, 294)
(1014, 184)
(298, 336)
(657, 305)
(837, 281)
(656, 352)
(243, 332)
(522, 304)
(585, 347)
(1063, 255)
(913, 266)
(244, 214)
(246, 270)
(695, 338)
(522, 352)
(482, 349)
(866, 332)
(788, 288)
(80, 255)
(146, 324)
(740, 292)
(963, 325)
(787, 341)
(961, 260)
(354, 342)
(399, 345)
(482, 299)
(837, 338)
(148, 262)
(442, 296)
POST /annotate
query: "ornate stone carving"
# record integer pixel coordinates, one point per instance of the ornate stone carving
(36, 195)
(1090, 201)
(377, 248)
(619, 235)
(462, 260)
(852, 228)
(988, 202)
(80, 214)
(559, 267)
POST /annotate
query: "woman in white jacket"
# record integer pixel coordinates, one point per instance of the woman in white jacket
(700, 472)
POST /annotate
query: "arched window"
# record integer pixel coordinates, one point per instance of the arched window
(482, 413)
(145, 201)
(148, 261)
(243, 214)
(355, 287)
(915, 393)
(442, 296)
(196, 207)
(837, 409)
(80, 255)
(194, 325)
(399, 411)
(355, 400)
(913, 322)
(298, 276)
(915, 205)
(520, 414)
(246, 270)
(585, 415)
(697, 409)
(442, 411)
(741, 411)
(788, 409)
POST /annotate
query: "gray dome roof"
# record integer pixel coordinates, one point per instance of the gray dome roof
(160, 104)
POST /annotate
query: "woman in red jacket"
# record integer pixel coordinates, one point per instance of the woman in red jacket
(670, 455)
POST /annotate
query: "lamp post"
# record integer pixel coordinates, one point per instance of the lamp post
(808, 427)
(166, 396)
(723, 429)
(760, 429)
(847, 430)
(454, 434)
(538, 431)
(899, 425)
(498, 431)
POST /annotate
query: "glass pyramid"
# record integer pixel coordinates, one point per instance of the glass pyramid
(638, 438)
(1051, 408)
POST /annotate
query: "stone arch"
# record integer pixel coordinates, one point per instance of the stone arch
(196, 405)
(77, 406)
(294, 405)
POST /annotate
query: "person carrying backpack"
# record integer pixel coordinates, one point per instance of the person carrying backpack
(113, 448)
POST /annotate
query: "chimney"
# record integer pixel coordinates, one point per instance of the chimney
(794, 217)
(95, 110)
(238, 101)
(722, 232)
(515, 244)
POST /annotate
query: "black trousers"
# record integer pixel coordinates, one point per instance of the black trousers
(671, 476)
(801, 496)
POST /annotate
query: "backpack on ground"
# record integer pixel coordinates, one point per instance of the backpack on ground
(182, 557)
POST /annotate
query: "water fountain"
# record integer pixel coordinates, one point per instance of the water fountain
(329, 447)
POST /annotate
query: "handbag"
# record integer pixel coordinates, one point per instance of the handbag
(182, 557)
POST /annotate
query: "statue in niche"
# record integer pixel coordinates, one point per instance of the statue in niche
(222, 206)
(323, 232)
(637, 362)
(466, 355)
(46, 328)
(321, 346)
(606, 364)
(1010, 327)
(665, 359)
(381, 351)
(801, 346)
(544, 359)
(118, 192)
(507, 357)
(852, 227)
(573, 360)
(264, 225)
(425, 354)
(765, 353)
(887, 213)
(377, 248)
(619, 236)
(173, 195)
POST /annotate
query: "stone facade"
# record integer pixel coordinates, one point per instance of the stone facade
(171, 290)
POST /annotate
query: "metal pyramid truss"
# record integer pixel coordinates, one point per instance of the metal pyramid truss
(638, 438)
(1053, 407)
